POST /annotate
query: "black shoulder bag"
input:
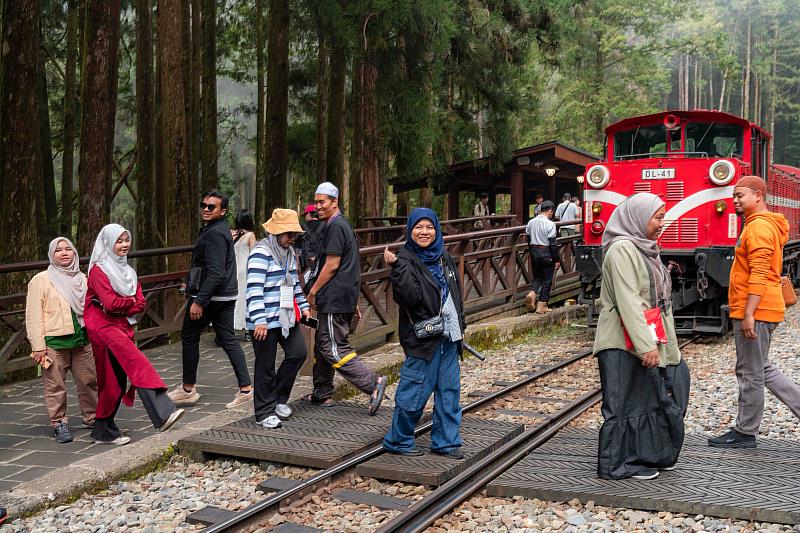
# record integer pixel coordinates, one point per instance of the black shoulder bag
(430, 327)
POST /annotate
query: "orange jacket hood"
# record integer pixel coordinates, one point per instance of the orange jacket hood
(776, 219)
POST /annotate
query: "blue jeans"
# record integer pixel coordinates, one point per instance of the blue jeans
(418, 380)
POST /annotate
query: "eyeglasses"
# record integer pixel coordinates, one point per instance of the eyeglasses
(208, 207)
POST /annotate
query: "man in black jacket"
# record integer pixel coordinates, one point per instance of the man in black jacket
(212, 291)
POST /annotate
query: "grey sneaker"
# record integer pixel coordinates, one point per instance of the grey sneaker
(645, 474)
(283, 410)
(181, 398)
(240, 398)
(119, 441)
(63, 435)
(271, 422)
(174, 417)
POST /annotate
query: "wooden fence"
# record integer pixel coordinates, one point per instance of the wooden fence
(494, 266)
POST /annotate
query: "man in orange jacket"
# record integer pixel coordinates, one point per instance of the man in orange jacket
(757, 307)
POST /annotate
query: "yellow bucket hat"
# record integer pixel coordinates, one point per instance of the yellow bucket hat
(283, 221)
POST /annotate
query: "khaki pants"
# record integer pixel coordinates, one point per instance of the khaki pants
(81, 362)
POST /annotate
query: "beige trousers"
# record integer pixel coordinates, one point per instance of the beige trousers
(81, 362)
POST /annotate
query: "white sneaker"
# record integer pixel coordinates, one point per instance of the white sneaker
(283, 410)
(174, 417)
(119, 441)
(271, 422)
(240, 398)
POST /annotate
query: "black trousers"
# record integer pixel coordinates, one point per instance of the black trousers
(272, 388)
(542, 269)
(220, 314)
(155, 401)
(643, 411)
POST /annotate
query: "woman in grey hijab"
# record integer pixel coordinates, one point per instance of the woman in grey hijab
(645, 382)
(56, 332)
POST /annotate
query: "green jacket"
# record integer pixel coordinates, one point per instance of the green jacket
(625, 294)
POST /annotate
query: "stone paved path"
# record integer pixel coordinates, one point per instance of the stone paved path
(28, 449)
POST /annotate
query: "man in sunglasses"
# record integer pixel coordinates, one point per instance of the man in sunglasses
(212, 291)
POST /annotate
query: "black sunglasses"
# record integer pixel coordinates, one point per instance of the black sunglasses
(208, 207)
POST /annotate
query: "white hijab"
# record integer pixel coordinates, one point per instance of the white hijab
(69, 281)
(122, 277)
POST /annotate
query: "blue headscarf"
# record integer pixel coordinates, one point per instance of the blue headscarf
(431, 255)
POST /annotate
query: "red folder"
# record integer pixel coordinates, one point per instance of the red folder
(653, 319)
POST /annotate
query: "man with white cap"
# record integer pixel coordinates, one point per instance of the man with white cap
(334, 293)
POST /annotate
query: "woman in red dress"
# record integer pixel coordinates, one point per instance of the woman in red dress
(113, 298)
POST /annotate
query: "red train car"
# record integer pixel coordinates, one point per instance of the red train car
(691, 159)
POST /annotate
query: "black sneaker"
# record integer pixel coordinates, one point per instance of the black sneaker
(645, 474)
(63, 435)
(733, 439)
(455, 453)
(411, 452)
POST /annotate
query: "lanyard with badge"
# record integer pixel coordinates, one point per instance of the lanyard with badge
(287, 290)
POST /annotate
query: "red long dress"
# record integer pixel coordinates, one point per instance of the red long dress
(109, 332)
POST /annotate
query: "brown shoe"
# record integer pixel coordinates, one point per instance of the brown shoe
(530, 301)
(542, 309)
(181, 398)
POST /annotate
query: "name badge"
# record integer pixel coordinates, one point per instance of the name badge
(287, 297)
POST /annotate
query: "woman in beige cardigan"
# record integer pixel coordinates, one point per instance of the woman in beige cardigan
(54, 321)
(645, 383)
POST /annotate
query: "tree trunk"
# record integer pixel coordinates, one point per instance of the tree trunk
(209, 98)
(747, 68)
(336, 117)
(277, 104)
(158, 139)
(323, 82)
(372, 190)
(145, 137)
(180, 206)
(48, 214)
(68, 158)
(20, 166)
(98, 109)
(355, 206)
(195, 133)
(187, 75)
(696, 90)
(261, 112)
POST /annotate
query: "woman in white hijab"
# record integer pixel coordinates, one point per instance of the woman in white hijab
(113, 298)
(645, 382)
(54, 322)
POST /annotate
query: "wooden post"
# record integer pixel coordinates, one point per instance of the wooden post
(517, 194)
(452, 200)
(492, 199)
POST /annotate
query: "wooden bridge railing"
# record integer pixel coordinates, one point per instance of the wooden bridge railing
(494, 266)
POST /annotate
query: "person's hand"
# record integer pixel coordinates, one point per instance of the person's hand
(312, 299)
(650, 359)
(182, 289)
(196, 311)
(389, 257)
(39, 356)
(672, 265)
(556, 267)
(749, 327)
(260, 333)
(306, 313)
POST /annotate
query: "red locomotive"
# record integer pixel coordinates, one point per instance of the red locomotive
(691, 159)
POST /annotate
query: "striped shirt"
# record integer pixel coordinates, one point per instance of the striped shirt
(264, 278)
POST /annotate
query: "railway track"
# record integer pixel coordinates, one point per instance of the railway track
(443, 499)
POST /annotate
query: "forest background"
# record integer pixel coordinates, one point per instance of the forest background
(125, 110)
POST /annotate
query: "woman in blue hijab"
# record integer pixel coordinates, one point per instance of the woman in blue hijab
(427, 289)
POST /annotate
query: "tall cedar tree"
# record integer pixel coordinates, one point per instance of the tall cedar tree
(277, 104)
(195, 132)
(70, 109)
(209, 98)
(174, 172)
(48, 224)
(189, 97)
(20, 160)
(323, 75)
(260, 112)
(99, 106)
(145, 135)
(336, 116)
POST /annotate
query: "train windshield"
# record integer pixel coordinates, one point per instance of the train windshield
(712, 139)
(646, 141)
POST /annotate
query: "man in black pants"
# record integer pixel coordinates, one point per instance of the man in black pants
(541, 231)
(212, 291)
(334, 295)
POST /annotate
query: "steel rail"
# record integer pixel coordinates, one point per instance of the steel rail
(264, 505)
(445, 498)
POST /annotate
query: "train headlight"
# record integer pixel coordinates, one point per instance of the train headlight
(721, 172)
(598, 176)
(597, 227)
(597, 207)
(720, 206)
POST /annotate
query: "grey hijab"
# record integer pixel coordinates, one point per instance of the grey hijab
(69, 281)
(629, 222)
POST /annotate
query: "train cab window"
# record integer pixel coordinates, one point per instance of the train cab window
(711, 139)
(642, 141)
